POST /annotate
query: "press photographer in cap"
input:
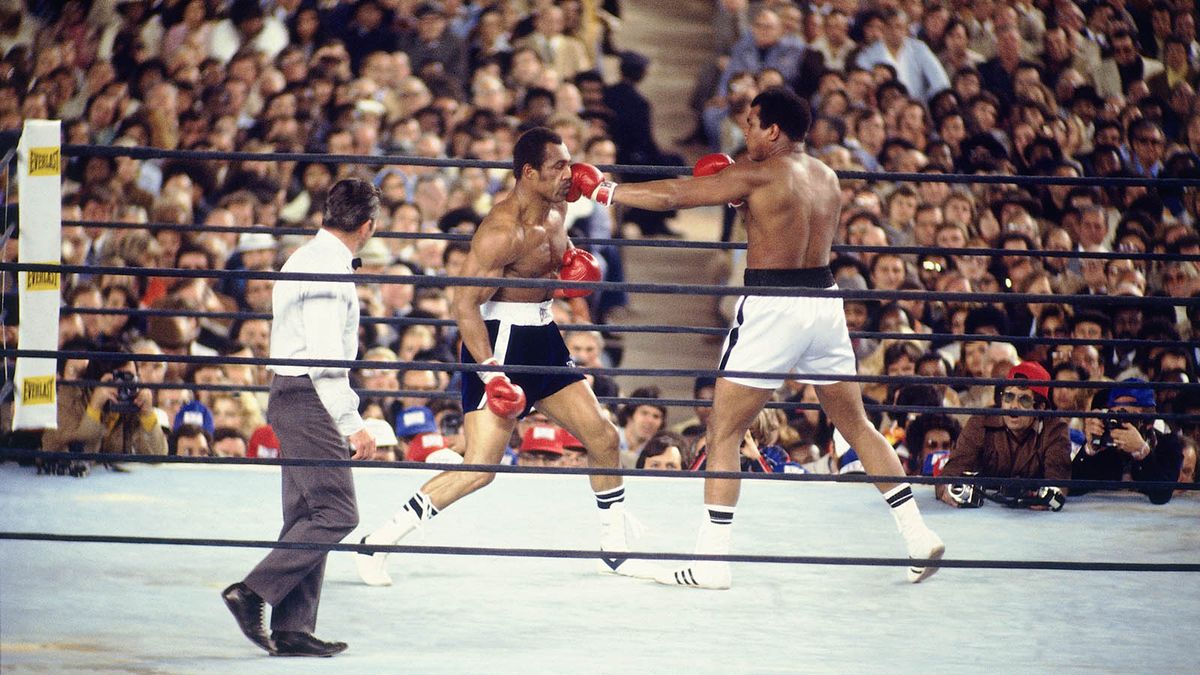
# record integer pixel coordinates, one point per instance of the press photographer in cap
(1129, 450)
(115, 416)
(1012, 446)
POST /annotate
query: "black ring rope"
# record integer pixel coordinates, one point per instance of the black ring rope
(561, 370)
(578, 554)
(665, 289)
(982, 481)
(652, 328)
(890, 408)
(75, 150)
(453, 367)
(660, 243)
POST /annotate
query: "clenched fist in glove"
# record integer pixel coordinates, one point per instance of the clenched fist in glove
(713, 164)
(577, 265)
(504, 398)
(587, 181)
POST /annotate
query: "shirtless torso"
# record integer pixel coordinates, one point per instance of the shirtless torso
(791, 212)
(528, 242)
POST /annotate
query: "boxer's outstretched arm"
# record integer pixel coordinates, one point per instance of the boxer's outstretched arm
(732, 184)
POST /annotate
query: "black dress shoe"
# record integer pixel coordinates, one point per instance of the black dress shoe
(247, 609)
(294, 643)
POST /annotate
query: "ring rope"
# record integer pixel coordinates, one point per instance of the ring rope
(987, 482)
(665, 289)
(564, 370)
(890, 408)
(76, 150)
(650, 328)
(964, 563)
(662, 243)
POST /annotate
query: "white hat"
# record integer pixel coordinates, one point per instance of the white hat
(444, 456)
(381, 431)
(255, 241)
(376, 253)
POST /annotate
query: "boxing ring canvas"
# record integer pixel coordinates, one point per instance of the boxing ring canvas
(88, 607)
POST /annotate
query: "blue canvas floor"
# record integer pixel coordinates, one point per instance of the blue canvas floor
(69, 607)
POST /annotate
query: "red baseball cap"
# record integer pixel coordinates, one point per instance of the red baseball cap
(420, 447)
(263, 443)
(542, 438)
(1030, 370)
(568, 440)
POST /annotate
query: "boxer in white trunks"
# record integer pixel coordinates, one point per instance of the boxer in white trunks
(791, 203)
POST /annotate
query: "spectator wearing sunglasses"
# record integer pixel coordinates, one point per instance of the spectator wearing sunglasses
(1006, 445)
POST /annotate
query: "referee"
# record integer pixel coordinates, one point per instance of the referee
(313, 412)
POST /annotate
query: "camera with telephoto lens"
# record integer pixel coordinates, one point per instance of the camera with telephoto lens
(127, 391)
(1105, 440)
(966, 495)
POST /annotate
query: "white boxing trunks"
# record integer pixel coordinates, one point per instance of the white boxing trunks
(774, 334)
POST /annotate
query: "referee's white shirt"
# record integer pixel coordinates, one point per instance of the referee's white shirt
(319, 320)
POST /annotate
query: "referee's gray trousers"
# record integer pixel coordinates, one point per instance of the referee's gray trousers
(318, 504)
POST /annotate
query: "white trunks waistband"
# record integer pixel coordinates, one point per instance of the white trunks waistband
(519, 313)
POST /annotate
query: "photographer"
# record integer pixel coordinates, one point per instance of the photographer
(1129, 450)
(1011, 446)
(116, 416)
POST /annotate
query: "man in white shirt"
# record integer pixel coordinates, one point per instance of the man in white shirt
(916, 66)
(314, 412)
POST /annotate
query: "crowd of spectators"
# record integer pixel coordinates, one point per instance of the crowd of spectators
(1026, 87)
(1072, 89)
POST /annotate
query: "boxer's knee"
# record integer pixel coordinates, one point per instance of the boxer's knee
(603, 441)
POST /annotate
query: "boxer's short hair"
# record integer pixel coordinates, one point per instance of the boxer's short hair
(781, 106)
(531, 149)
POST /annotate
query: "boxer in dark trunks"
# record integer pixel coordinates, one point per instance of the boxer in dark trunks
(523, 237)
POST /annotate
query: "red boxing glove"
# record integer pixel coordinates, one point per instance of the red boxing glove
(504, 398)
(714, 164)
(577, 265)
(586, 180)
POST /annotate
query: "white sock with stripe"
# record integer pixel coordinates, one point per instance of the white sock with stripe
(904, 508)
(416, 509)
(716, 534)
(606, 498)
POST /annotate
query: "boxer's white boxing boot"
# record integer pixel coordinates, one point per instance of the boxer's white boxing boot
(922, 543)
(714, 539)
(372, 567)
(616, 527)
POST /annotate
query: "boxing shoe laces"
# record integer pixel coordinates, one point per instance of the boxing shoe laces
(923, 545)
(617, 525)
